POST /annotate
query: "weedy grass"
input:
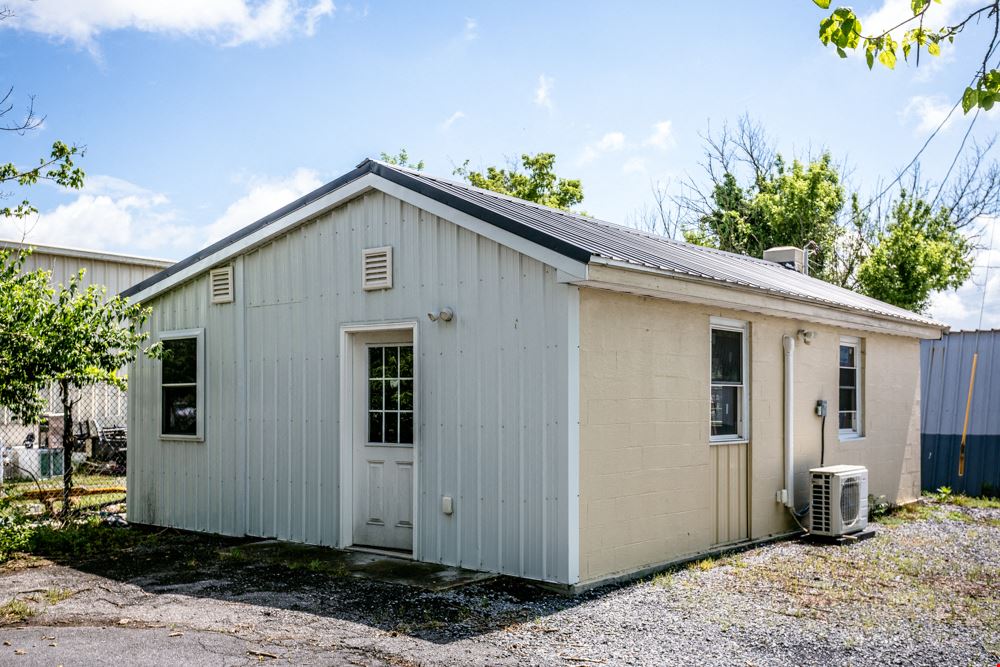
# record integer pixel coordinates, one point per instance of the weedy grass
(15, 611)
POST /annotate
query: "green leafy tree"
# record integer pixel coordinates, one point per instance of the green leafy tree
(402, 159)
(537, 182)
(900, 251)
(23, 314)
(69, 336)
(918, 253)
(843, 30)
(790, 205)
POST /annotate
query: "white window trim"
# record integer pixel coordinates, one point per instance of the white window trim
(859, 365)
(743, 434)
(199, 436)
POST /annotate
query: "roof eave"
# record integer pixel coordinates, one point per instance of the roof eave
(621, 276)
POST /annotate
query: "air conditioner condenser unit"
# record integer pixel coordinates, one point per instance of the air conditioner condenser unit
(839, 500)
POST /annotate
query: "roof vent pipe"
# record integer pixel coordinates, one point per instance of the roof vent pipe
(788, 342)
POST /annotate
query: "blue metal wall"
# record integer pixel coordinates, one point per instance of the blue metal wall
(945, 367)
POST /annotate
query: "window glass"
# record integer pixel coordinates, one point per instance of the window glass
(727, 399)
(727, 356)
(390, 394)
(180, 410)
(179, 387)
(725, 411)
(180, 361)
(848, 417)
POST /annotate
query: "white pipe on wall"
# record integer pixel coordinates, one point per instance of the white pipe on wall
(788, 342)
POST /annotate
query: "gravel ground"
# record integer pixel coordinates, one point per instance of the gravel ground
(924, 591)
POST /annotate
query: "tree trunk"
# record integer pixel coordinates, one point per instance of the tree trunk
(67, 447)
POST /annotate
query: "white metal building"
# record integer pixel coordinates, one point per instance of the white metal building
(403, 363)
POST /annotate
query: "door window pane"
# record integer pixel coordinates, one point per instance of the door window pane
(390, 394)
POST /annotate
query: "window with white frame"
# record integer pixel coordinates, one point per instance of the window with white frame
(729, 399)
(849, 407)
(182, 383)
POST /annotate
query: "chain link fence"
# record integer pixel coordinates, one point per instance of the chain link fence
(35, 460)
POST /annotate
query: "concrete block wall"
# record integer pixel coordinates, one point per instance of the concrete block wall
(646, 478)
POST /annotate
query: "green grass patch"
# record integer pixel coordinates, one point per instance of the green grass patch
(15, 611)
(975, 503)
(906, 513)
(56, 595)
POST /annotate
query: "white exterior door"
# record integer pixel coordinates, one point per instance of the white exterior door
(383, 440)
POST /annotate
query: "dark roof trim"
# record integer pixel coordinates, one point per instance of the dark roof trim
(399, 178)
(208, 251)
(554, 244)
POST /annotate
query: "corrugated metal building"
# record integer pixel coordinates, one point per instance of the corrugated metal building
(946, 367)
(403, 363)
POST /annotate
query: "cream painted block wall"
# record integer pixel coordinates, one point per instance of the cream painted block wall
(645, 473)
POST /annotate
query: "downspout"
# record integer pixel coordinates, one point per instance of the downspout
(789, 495)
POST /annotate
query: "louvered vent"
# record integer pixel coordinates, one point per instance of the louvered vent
(220, 283)
(821, 503)
(376, 269)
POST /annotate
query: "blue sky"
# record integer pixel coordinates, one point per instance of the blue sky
(200, 117)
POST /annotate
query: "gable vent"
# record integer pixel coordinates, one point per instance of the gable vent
(376, 268)
(220, 283)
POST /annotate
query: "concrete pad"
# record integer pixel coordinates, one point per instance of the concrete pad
(361, 564)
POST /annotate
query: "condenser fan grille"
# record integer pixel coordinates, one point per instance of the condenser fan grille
(850, 501)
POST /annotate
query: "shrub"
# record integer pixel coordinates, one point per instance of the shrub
(15, 529)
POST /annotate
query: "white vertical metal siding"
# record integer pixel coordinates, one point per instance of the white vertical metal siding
(493, 396)
(193, 485)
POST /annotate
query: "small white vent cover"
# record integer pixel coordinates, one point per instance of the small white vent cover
(220, 284)
(376, 268)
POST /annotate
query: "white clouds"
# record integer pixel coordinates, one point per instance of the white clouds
(609, 143)
(662, 136)
(450, 120)
(543, 93)
(960, 308)
(929, 111)
(471, 30)
(894, 12)
(263, 197)
(229, 22)
(634, 165)
(113, 214)
(315, 13)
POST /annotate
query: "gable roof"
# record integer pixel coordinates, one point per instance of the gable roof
(583, 239)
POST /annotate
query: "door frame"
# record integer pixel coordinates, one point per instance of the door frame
(348, 332)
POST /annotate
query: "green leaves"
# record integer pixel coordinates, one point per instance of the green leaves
(842, 29)
(888, 58)
(537, 183)
(823, 4)
(920, 251)
(402, 159)
(970, 99)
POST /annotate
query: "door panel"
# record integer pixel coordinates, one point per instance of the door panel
(383, 403)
